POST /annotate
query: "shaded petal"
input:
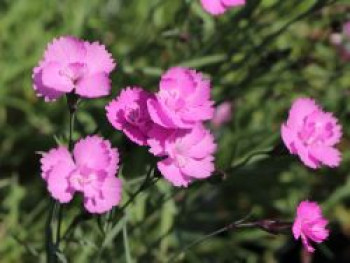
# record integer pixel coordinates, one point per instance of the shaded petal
(58, 184)
(231, 3)
(109, 196)
(51, 158)
(172, 173)
(198, 168)
(52, 78)
(94, 86)
(214, 7)
(135, 134)
(41, 90)
(327, 155)
(157, 114)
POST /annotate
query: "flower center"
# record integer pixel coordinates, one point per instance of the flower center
(74, 71)
(133, 115)
(179, 154)
(315, 132)
(83, 179)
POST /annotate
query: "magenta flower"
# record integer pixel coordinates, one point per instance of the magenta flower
(218, 7)
(183, 99)
(188, 153)
(222, 114)
(73, 65)
(310, 225)
(90, 170)
(312, 134)
(128, 113)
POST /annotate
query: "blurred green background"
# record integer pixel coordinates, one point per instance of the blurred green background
(261, 57)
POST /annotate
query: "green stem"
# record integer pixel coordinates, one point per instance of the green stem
(49, 245)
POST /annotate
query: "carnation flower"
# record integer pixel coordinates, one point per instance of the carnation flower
(128, 113)
(188, 154)
(222, 114)
(183, 99)
(90, 170)
(218, 7)
(312, 134)
(73, 65)
(310, 225)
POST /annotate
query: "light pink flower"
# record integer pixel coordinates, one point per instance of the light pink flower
(183, 99)
(90, 170)
(222, 114)
(73, 65)
(341, 41)
(309, 224)
(312, 134)
(218, 7)
(188, 153)
(128, 113)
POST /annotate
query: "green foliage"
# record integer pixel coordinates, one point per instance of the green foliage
(261, 57)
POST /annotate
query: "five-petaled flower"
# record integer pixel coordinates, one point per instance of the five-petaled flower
(309, 224)
(90, 170)
(312, 134)
(73, 65)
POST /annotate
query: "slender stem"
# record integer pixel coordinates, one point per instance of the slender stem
(49, 246)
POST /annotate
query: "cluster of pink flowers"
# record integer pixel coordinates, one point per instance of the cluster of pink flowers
(218, 7)
(342, 42)
(312, 134)
(170, 123)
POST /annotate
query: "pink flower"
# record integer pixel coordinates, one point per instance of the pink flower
(128, 113)
(310, 225)
(90, 170)
(222, 114)
(341, 41)
(188, 153)
(183, 99)
(218, 7)
(312, 134)
(73, 65)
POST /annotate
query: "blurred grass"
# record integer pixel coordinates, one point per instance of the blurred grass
(261, 57)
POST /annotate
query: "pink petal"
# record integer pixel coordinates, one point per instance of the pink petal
(41, 90)
(198, 168)
(51, 158)
(58, 184)
(327, 155)
(66, 50)
(204, 148)
(231, 3)
(214, 7)
(288, 138)
(110, 196)
(157, 114)
(98, 59)
(135, 134)
(173, 173)
(94, 86)
(52, 78)
(301, 108)
(200, 113)
(307, 244)
(95, 153)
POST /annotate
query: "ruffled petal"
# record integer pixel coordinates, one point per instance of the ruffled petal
(98, 59)
(51, 158)
(53, 79)
(158, 116)
(58, 183)
(41, 90)
(110, 196)
(327, 155)
(94, 86)
(198, 168)
(172, 173)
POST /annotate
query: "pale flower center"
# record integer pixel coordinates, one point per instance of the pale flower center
(315, 132)
(74, 71)
(179, 155)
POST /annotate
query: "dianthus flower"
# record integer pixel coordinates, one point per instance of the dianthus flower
(222, 114)
(128, 113)
(312, 134)
(73, 65)
(90, 170)
(310, 225)
(182, 101)
(218, 7)
(188, 154)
